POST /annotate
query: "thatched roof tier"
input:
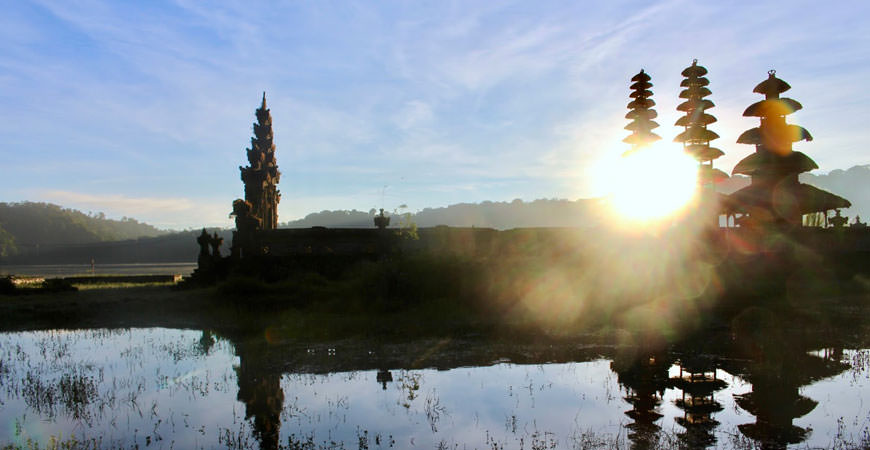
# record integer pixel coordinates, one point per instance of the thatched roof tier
(772, 107)
(696, 118)
(642, 93)
(779, 135)
(794, 198)
(703, 152)
(700, 81)
(696, 134)
(695, 92)
(694, 104)
(694, 70)
(641, 76)
(641, 103)
(772, 86)
(641, 138)
(641, 113)
(642, 125)
(640, 85)
(763, 161)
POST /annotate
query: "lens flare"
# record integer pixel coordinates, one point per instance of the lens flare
(652, 184)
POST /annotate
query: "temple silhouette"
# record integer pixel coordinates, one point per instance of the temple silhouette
(776, 197)
(775, 202)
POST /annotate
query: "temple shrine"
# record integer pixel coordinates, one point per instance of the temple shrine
(696, 136)
(641, 114)
(776, 197)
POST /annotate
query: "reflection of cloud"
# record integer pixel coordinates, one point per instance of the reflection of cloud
(164, 212)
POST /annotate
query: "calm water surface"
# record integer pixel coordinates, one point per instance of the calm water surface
(60, 270)
(165, 388)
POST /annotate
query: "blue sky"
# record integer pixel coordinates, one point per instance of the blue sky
(144, 109)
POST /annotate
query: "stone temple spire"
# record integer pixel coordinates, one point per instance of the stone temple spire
(261, 177)
(641, 114)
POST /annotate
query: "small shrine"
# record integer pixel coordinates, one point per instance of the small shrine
(641, 114)
(775, 196)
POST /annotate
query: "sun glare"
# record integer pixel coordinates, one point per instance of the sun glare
(651, 184)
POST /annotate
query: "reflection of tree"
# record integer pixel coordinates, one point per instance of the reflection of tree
(645, 379)
(260, 390)
(697, 380)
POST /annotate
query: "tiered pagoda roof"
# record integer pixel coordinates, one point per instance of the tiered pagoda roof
(775, 194)
(696, 137)
(641, 114)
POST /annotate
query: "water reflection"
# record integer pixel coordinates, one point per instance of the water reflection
(260, 391)
(698, 382)
(763, 387)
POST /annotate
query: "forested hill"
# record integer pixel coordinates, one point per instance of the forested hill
(26, 226)
(499, 215)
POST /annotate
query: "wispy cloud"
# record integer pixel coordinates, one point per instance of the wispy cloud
(467, 100)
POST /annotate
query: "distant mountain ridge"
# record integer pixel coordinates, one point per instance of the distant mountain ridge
(27, 226)
(57, 233)
(487, 214)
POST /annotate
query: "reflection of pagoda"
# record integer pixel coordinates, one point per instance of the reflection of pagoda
(696, 137)
(775, 195)
(260, 391)
(775, 400)
(641, 114)
(261, 176)
(697, 381)
(645, 380)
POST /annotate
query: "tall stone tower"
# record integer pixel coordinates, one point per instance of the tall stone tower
(261, 176)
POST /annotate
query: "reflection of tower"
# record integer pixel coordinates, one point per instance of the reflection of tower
(775, 405)
(645, 380)
(697, 381)
(641, 114)
(260, 390)
(775, 195)
(776, 376)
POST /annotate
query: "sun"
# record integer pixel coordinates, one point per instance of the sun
(652, 184)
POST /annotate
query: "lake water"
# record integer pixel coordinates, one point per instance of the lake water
(61, 270)
(165, 388)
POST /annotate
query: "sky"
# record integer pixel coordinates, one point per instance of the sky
(145, 108)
